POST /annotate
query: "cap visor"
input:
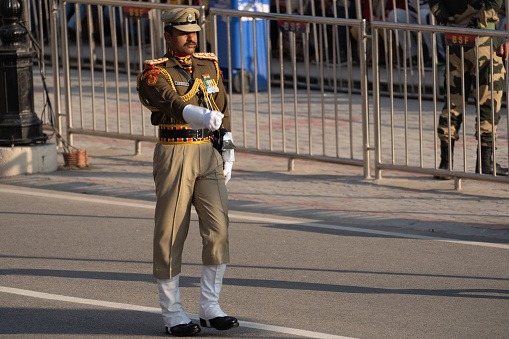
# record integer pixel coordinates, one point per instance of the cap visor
(188, 28)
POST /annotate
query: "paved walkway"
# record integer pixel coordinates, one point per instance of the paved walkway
(331, 193)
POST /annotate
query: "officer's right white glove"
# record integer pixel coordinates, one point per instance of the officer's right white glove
(200, 117)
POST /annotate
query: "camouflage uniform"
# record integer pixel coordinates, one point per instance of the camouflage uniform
(474, 14)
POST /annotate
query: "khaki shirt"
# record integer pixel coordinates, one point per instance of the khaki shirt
(163, 95)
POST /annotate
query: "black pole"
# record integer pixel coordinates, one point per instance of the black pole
(19, 125)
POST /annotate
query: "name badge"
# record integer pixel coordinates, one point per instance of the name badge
(459, 39)
(210, 84)
(178, 83)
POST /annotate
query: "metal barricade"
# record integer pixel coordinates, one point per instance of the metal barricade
(100, 59)
(307, 111)
(316, 105)
(406, 129)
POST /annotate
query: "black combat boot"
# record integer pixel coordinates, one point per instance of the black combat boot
(444, 158)
(487, 162)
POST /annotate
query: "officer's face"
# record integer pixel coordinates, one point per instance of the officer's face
(181, 42)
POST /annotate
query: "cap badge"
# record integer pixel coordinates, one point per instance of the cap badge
(190, 18)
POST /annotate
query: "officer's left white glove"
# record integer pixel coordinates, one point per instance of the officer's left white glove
(228, 155)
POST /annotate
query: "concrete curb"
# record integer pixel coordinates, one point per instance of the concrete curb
(17, 160)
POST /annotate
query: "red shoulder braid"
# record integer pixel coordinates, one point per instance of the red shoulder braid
(152, 63)
(207, 56)
(150, 73)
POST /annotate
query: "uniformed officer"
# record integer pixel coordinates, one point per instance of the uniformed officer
(185, 93)
(473, 14)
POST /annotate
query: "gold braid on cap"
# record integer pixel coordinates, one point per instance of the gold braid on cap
(198, 85)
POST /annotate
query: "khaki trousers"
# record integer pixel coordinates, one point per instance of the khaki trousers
(185, 175)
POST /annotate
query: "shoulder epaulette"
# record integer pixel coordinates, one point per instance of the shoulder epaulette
(207, 56)
(153, 62)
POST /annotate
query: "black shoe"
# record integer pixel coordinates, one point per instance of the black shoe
(501, 171)
(184, 330)
(487, 163)
(444, 159)
(220, 323)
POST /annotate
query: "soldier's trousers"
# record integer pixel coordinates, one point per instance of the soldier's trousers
(488, 119)
(185, 175)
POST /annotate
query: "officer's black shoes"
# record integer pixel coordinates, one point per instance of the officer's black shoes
(220, 323)
(184, 330)
(188, 330)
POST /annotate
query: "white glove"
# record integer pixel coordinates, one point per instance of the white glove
(199, 117)
(227, 171)
(228, 156)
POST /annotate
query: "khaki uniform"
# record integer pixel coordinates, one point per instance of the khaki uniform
(186, 172)
(473, 14)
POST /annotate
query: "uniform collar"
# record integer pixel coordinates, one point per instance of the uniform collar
(172, 61)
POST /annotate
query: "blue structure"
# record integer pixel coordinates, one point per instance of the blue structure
(247, 42)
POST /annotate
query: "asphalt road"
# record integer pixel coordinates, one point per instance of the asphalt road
(75, 265)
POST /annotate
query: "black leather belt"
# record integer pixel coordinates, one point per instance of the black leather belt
(195, 134)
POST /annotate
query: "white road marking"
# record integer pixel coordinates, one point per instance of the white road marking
(279, 220)
(237, 215)
(76, 197)
(129, 307)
